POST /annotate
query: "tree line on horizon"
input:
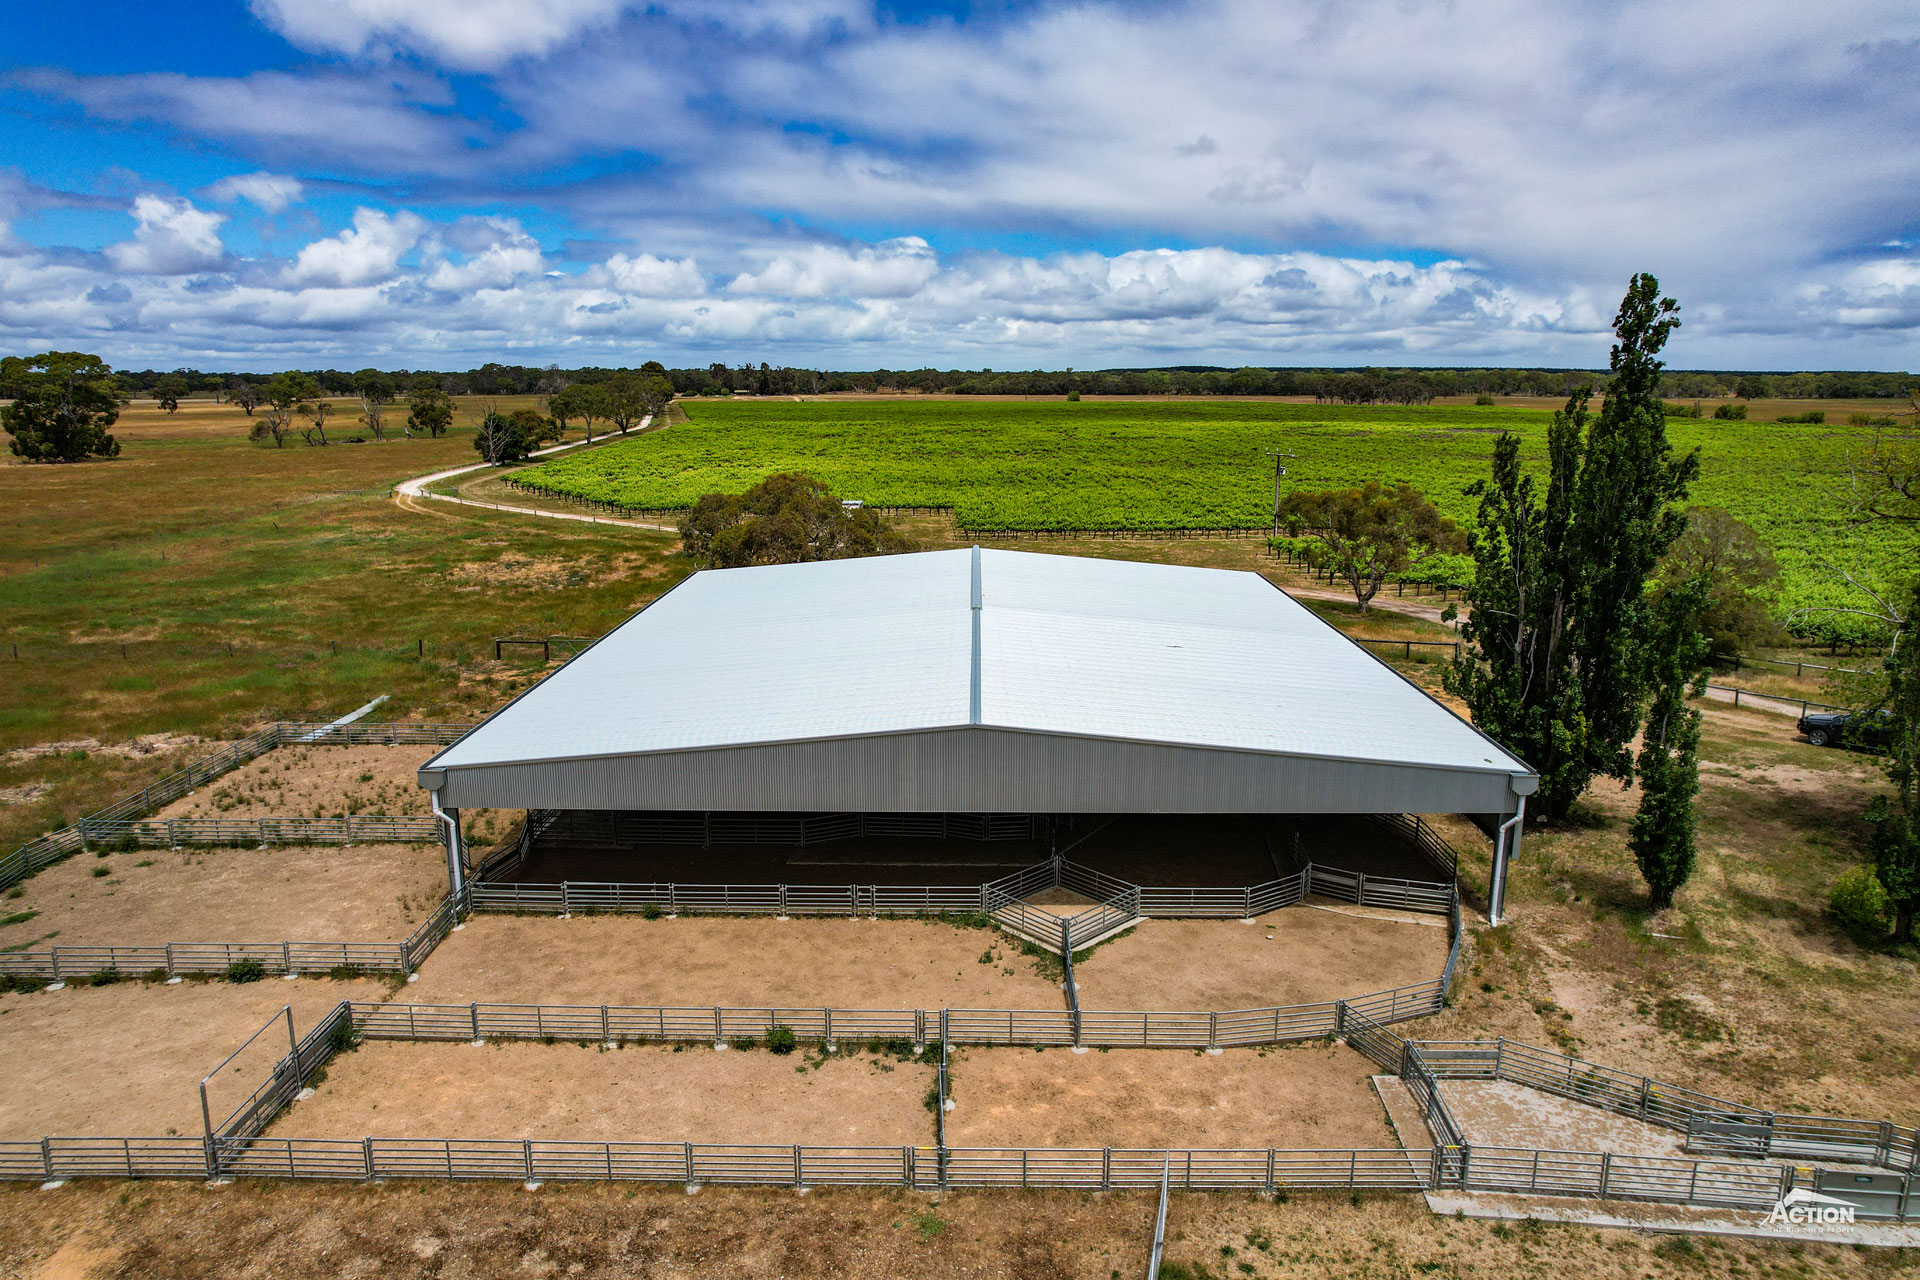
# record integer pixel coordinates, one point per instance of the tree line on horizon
(1371, 385)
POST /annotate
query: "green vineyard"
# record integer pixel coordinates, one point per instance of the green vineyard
(1190, 464)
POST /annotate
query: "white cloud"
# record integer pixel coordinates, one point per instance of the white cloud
(893, 269)
(459, 33)
(269, 192)
(357, 122)
(170, 237)
(367, 253)
(642, 275)
(511, 254)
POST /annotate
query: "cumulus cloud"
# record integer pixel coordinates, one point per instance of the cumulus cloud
(1389, 179)
(642, 275)
(506, 256)
(367, 253)
(268, 192)
(459, 33)
(170, 237)
(894, 269)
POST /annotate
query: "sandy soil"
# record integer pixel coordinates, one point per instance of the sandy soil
(650, 1093)
(849, 964)
(1304, 1096)
(313, 782)
(1297, 955)
(306, 893)
(127, 1060)
(1500, 1113)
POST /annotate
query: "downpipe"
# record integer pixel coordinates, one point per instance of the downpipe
(1503, 842)
(456, 873)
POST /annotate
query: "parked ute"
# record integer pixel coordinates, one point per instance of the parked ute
(1843, 728)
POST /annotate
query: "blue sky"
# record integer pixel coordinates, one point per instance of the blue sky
(436, 183)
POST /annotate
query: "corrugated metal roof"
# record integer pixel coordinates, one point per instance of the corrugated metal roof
(1014, 640)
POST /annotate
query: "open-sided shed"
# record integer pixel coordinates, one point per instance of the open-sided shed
(981, 682)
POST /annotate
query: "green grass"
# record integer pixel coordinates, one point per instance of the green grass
(1159, 464)
(194, 540)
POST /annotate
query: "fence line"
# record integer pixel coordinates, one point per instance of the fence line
(110, 822)
(1712, 1125)
(999, 898)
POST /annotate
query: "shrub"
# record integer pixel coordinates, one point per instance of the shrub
(18, 917)
(1074, 396)
(99, 872)
(343, 1038)
(780, 1039)
(1731, 413)
(1860, 906)
(103, 978)
(1483, 399)
(1812, 416)
(21, 982)
(245, 971)
(651, 911)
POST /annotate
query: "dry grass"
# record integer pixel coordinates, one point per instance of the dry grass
(1745, 988)
(248, 1231)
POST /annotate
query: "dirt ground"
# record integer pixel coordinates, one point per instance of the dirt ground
(312, 1231)
(313, 782)
(1297, 955)
(305, 893)
(848, 964)
(1305, 1096)
(644, 1093)
(126, 1060)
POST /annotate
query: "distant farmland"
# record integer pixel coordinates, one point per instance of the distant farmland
(1189, 464)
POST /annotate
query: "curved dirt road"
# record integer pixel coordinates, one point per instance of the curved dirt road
(408, 493)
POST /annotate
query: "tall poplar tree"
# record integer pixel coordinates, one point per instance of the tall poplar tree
(1661, 834)
(1560, 665)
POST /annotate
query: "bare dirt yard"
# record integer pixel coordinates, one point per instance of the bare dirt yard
(1305, 1096)
(848, 964)
(126, 1060)
(313, 782)
(647, 1093)
(305, 893)
(1297, 955)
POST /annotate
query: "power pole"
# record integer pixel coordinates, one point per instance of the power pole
(1280, 460)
